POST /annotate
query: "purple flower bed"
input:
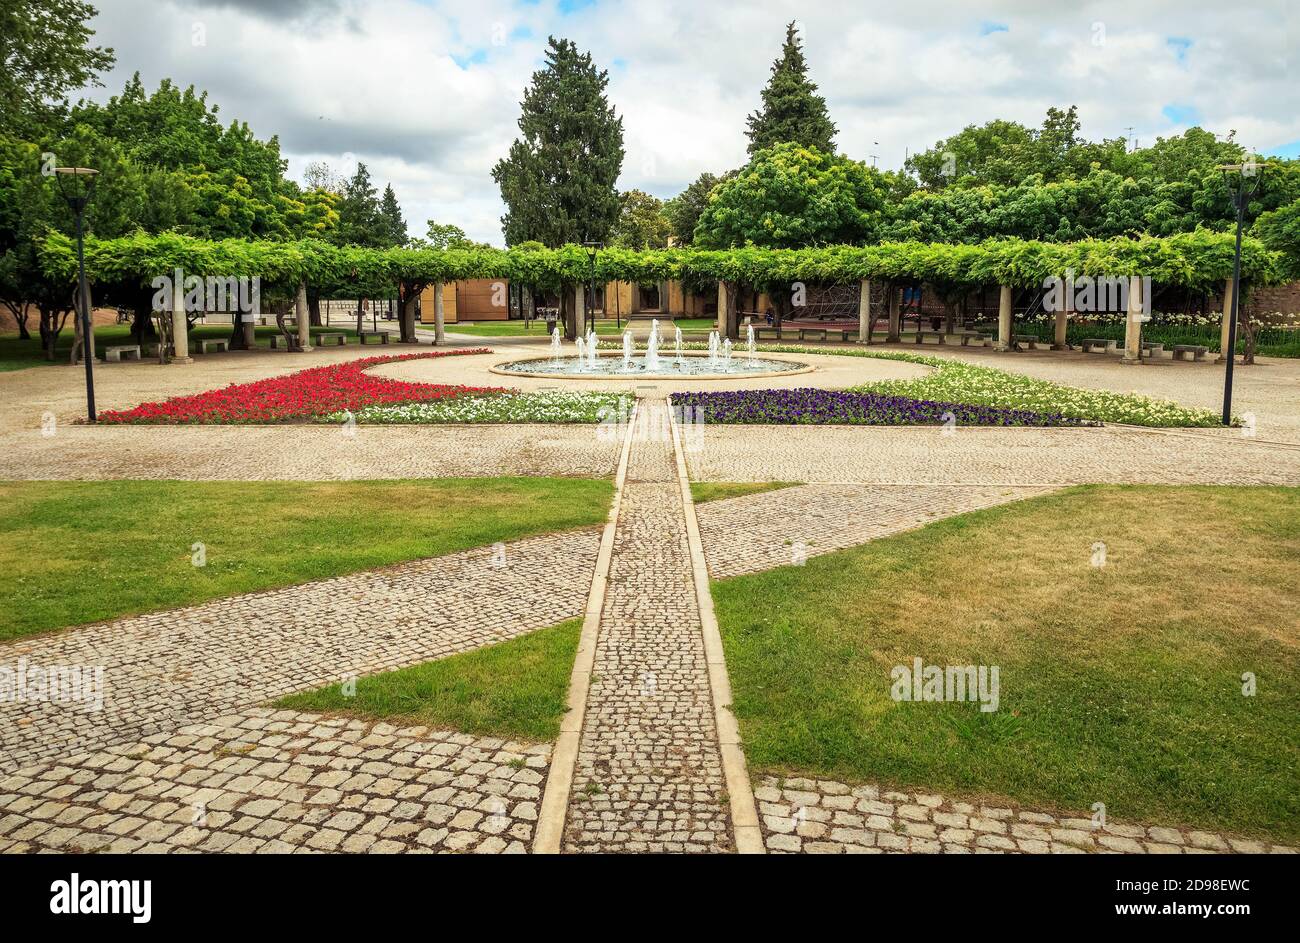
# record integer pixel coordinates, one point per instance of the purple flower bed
(809, 406)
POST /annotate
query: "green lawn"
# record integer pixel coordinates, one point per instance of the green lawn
(515, 689)
(18, 354)
(77, 552)
(702, 491)
(1119, 684)
(538, 328)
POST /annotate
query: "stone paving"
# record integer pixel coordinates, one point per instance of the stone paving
(779, 528)
(166, 669)
(269, 781)
(818, 816)
(649, 774)
(988, 456)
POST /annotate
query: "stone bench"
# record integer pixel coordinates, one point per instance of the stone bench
(1152, 349)
(208, 346)
(977, 338)
(278, 339)
(115, 354)
(366, 335)
(921, 335)
(1108, 345)
(760, 331)
(1030, 340)
(805, 331)
(339, 340)
(1182, 350)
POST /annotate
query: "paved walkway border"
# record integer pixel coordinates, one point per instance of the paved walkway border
(744, 812)
(549, 834)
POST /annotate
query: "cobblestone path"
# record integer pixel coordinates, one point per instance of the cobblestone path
(271, 781)
(166, 669)
(649, 774)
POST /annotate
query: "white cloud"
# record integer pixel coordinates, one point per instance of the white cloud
(427, 94)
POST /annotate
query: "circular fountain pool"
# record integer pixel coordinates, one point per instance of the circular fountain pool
(699, 367)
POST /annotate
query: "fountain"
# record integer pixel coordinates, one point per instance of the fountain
(750, 344)
(652, 348)
(652, 363)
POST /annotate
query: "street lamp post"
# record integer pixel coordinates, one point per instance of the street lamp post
(77, 184)
(592, 249)
(1253, 172)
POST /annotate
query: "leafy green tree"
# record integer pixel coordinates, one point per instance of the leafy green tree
(684, 210)
(641, 223)
(558, 179)
(790, 196)
(45, 53)
(1279, 229)
(361, 221)
(792, 110)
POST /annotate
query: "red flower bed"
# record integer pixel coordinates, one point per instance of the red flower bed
(314, 392)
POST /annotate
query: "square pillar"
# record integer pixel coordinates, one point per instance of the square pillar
(439, 316)
(180, 326)
(1063, 316)
(1004, 318)
(303, 314)
(895, 315)
(864, 312)
(1227, 322)
(1133, 324)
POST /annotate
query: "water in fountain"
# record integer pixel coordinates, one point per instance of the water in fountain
(713, 348)
(652, 347)
(678, 358)
(627, 350)
(555, 343)
(592, 353)
(749, 341)
(582, 351)
(726, 354)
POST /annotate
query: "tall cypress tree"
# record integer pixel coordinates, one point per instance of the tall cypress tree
(391, 215)
(558, 179)
(792, 110)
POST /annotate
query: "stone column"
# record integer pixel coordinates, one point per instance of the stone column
(864, 312)
(724, 316)
(580, 309)
(303, 314)
(1004, 319)
(895, 316)
(180, 327)
(1063, 316)
(1227, 321)
(1133, 325)
(439, 316)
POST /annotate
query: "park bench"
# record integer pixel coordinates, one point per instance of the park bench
(1031, 340)
(365, 335)
(760, 331)
(1154, 350)
(805, 331)
(1182, 350)
(339, 340)
(978, 338)
(850, 334)
(921, 335)
(208, 346)
(1107, 344)
(115, 354)
(278, 339)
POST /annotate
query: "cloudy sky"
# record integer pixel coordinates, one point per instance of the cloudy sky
(426, 91)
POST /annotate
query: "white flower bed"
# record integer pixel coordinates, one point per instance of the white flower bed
(549, 406)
